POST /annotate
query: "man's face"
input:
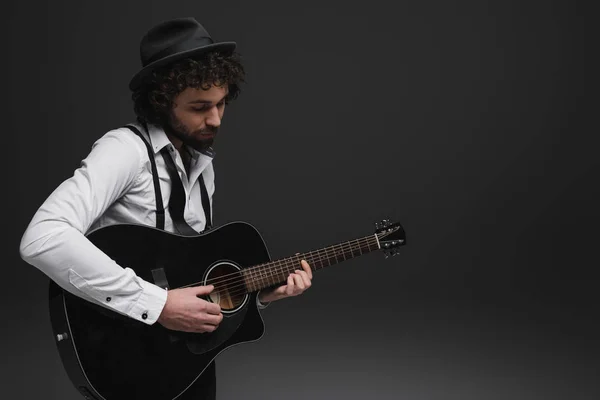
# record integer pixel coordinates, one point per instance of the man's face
(196, 117)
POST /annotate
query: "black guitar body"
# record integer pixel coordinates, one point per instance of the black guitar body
(114, 357)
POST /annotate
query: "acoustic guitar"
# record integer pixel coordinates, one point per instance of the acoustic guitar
(110, 356)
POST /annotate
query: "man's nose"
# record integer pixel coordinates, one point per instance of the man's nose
(213, 118)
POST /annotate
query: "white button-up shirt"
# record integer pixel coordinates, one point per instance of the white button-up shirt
(114, 184)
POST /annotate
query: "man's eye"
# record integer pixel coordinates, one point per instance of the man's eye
(219, 104)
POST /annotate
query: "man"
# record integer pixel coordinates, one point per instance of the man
(179, 98)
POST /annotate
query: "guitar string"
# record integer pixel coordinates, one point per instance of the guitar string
(262, 278)
(286, 262)
(265, 276)
(240, 285)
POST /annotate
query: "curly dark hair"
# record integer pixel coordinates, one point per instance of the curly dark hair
(153, 100)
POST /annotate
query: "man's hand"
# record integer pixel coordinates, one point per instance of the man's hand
(297, 283)
(184, 311)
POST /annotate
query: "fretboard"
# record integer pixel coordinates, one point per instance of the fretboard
(276, 272)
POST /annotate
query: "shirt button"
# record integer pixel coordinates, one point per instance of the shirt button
(144, 316)
(108, 299)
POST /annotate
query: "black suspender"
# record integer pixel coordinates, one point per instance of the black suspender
(160, 210)
(177, 199)
(205, 202)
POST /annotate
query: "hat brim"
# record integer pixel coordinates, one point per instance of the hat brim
(144, 72)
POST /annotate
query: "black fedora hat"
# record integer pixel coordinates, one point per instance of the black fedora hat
(173, 40)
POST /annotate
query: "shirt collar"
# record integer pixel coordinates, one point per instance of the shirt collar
(159, 139)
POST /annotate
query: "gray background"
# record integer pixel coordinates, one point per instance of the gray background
(464, 121)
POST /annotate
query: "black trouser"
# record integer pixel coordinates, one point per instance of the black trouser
(205, 387)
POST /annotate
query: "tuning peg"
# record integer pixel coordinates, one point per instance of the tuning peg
(377, 225)
(386, 254)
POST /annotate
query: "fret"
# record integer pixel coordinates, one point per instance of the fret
(289, 266)
(328, 256)
(246, 281)
(343, 252)
(319, 258)
(355, 249)
(334, 254)
(283, 274)
(272, 279)
(317, 262)
(348, 253)
(266, 271)
(283, 265)
(285, 268)
(312, 261)
(257, 278)
(277, 272)
(351, 249)
(250, 284)
(281, 269)
(254, 280)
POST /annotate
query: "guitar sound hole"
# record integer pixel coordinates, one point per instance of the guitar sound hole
(230, 289)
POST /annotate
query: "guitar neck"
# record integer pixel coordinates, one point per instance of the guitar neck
(276, 272)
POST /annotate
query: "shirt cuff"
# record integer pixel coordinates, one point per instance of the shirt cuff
(261, 305)
(150, 303)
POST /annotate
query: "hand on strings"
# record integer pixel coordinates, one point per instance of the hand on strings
(297, 283)
(185, 311)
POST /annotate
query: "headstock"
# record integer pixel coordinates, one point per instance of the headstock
(391, 236)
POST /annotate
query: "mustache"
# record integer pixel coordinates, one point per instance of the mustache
(212, 131)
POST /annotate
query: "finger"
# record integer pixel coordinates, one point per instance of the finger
(305, 278)
(211, 319)
(281, 290)
(306, 268)
(289, 290)
(206, 328)
(212, 308)
(299, 282)
(202, 290)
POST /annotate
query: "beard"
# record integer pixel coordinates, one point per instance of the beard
(176, 128)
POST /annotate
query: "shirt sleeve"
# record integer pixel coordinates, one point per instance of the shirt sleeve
(55, 242)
